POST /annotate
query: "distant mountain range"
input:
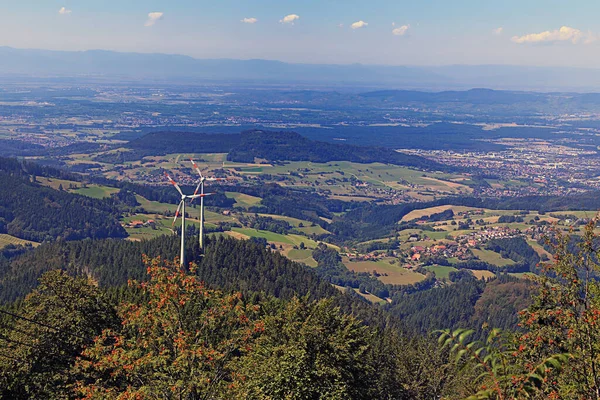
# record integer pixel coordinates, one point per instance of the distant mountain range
(100, 64)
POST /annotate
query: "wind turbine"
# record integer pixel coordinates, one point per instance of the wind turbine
(182, 208)
(200, 187)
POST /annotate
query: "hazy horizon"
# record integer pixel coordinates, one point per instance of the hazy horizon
(433, 66)
(428, 33)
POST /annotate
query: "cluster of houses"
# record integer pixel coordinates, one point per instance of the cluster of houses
(141, 224)
(476, 238)
(446, 250)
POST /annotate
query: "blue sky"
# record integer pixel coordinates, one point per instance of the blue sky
(395, 32)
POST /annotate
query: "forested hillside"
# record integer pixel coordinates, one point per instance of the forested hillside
(228, 264)
(37, 213)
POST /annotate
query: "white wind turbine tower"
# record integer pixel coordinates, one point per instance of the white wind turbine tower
(201, 188)
(182, 208)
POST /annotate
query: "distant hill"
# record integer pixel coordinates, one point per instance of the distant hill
(166, 67)
(290, 146)
(176, 142)
(267, 145)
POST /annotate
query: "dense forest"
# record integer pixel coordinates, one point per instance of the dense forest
(30, 211)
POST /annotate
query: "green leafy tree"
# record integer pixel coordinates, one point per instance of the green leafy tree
(309, 350)
(41, 340)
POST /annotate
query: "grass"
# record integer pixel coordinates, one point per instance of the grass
(6, 240)
(295, 222)
(482, 274)
(243, 200)
(371, 297)
(96, 191)
(155, 206)
(539, 249)
(441, 272)
(271, 237)
(396, 274)
(578, 214)
(302, 256)
(523, 275)
(317, 230)
(492, 257)
(163, 226)
(56, 183)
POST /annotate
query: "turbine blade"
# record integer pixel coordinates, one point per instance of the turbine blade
(197, 188)
(196, 167)
(177, 212)
(174, 184)
(200, 195)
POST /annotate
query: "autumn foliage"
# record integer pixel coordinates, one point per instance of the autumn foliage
(179, 340)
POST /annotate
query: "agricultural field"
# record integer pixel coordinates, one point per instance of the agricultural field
(155, 206)
(271, 237)
(539, 249)
(95, 191)
(341, 180)
(243, 200)
(488, 274)
(362, 180)
(55, 183)
(301, 256)
(441, 272)
(389, 273)
(523, 275)
(6, 240)
(492, 257)
(162, 226)
(306, 227)
(426, 212)
(371, 297)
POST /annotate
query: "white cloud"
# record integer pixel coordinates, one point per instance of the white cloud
(289, 19)
(153, 18)
(358, 25)
(249, 20)
(401, 30)
(498, 31)
(340, 25)
(64, 11)
(564, 34)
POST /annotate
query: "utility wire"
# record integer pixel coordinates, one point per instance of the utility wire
(44, 325)
(29, 320)
(2, 354)
(9, 340)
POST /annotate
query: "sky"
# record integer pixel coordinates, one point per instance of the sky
(386, 32)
